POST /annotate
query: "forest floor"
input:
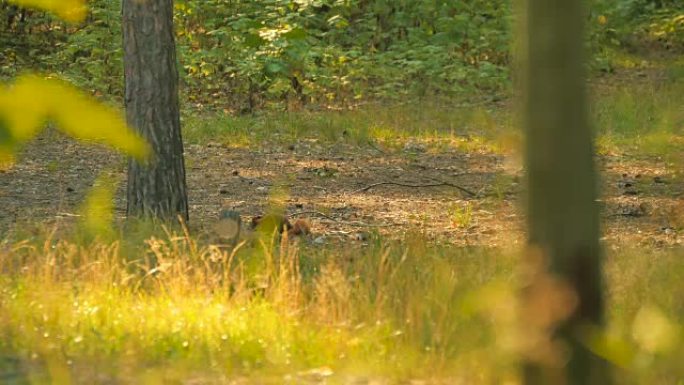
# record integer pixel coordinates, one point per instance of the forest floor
(345, 191)
(454, 185)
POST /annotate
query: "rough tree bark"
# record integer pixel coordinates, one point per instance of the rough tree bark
(157, 188)
(563, 222)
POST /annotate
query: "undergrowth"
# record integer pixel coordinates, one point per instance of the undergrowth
(638, 114)
(431, 123)
(284, 312)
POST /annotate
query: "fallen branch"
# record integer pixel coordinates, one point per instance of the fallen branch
(465, 190)
(376, 148)
(317, 213)
(328, 217)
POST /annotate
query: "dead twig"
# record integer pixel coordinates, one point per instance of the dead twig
(376, 148)
(437, 184)
(328, 217)
(362, 224)
(317, 213)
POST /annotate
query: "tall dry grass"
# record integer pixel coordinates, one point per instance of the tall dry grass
(270, 311)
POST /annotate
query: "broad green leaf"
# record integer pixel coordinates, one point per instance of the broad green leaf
(253, 40)
(69, 10)
(273, 68)
(295, 34)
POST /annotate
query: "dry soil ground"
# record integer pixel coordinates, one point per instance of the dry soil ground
(333, 186)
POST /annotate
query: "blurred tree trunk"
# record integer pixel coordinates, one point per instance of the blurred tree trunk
(563, 221)
(157, 188)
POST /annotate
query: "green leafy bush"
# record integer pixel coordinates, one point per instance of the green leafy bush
(247, 55)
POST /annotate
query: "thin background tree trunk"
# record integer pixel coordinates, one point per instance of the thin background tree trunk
(563, 220)
(158, 188)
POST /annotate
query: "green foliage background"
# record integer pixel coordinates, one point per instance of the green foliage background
(245, 55)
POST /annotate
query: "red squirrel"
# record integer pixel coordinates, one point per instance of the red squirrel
(229, 227)
(268, 222)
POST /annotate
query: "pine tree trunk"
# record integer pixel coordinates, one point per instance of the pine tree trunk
(563, 222)
(157, 188)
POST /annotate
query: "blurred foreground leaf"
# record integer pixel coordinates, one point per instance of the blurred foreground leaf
(69, 10)
(654, 332)
(97, 211)
(26, 105)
